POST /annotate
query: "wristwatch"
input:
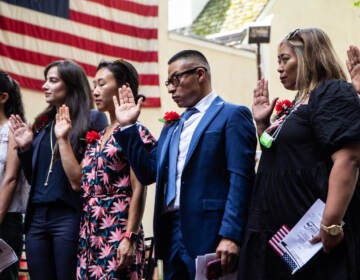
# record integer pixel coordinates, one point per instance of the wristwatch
(333, 230)
(132, 236)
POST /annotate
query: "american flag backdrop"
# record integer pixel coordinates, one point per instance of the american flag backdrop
(34, 33)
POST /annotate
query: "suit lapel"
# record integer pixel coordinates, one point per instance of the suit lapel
(210, 114)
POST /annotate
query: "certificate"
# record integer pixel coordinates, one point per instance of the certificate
(201, 264)
(293, 245)
(7, 255)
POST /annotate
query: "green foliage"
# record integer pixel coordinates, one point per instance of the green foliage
(211, 18)
(357, 3)
(226, 15)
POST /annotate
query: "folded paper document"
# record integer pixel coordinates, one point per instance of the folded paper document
(201, 266)
(7, 255)
(293, 245)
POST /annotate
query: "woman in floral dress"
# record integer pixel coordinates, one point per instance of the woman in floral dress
(111, 242)
(110, 195)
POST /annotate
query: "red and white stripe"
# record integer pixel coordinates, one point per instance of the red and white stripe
(97, 30)
(275, 240)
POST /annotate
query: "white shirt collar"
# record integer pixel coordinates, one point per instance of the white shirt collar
(205, 102)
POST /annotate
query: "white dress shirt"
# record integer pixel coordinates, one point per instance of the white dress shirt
(185, 138)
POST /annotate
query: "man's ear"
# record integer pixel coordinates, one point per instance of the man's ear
(4, 96)
(201, 73)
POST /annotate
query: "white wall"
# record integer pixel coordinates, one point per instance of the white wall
(183, 12)
(339, 19)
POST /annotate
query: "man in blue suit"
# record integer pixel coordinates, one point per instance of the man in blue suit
(201, 202)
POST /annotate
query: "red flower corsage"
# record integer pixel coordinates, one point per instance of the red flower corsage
(92, 136)
(283, 107)
(40, 122)
(170, 117)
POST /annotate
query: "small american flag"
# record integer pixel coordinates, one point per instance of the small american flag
(276, 242)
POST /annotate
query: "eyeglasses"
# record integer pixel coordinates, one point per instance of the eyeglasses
(175, 78)
(293, 34)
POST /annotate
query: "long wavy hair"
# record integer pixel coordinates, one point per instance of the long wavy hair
(14, 104)
(317, 60)
(78, 99)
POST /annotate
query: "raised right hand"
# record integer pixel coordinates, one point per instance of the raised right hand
(126, 110)
(262, 108)
(23, 134)
(63, 123)
(353, 66)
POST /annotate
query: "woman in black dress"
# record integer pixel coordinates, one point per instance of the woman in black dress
(315, 153)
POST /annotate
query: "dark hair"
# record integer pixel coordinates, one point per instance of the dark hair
(194, 57)
(124, 73)
(78, 99)
(14, 104)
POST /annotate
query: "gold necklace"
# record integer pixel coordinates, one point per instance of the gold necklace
(52, 154)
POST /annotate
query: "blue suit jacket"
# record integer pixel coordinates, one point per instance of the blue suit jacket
(216, 179)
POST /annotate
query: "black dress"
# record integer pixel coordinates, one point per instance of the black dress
(292, 174)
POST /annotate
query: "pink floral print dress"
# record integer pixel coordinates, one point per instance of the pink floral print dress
(107, 193)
